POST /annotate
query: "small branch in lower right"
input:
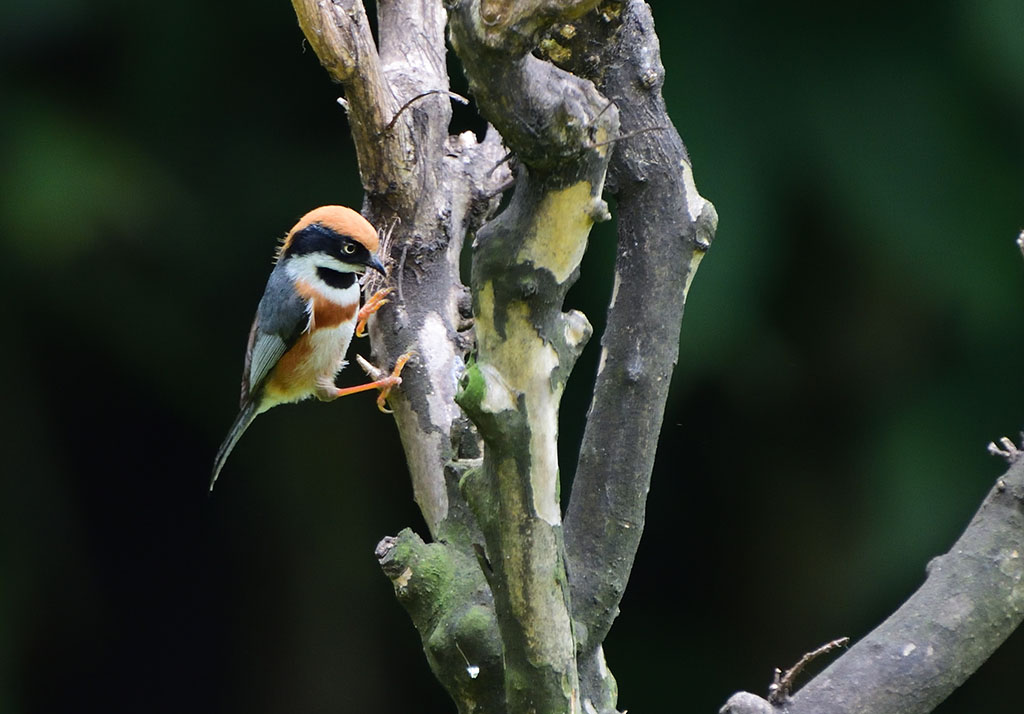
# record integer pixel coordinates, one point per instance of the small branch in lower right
(782, 686)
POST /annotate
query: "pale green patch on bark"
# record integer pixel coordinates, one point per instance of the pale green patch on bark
(559, 236)
(525, 262)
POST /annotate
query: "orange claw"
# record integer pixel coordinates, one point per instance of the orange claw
(395, 379)
(375, 303)
(384, 384)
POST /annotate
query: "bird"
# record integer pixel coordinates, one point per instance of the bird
(307, 317)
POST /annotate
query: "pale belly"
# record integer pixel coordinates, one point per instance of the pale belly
(309, 367)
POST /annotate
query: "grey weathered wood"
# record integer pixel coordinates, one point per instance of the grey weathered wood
(512, 604)
(970, 602)
(664, 227)
(491, 597)
(524, 262)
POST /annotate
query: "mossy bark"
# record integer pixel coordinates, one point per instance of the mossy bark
(524, 263)
(449, 601)
(496, 597)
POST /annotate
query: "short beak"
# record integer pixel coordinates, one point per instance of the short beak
(376, 265)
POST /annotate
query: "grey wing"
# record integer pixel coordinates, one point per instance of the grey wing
(280, 319)
(263, 353)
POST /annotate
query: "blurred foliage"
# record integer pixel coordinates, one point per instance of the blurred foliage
(851, 344)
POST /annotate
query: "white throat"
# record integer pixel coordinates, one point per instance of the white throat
(304, 268)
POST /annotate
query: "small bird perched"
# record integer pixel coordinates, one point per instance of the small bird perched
(307, 316)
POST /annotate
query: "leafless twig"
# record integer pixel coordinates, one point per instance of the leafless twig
(630, 135)
(781, 687)
(457, 97)
(372, 282)
(504, 158)
(401, 272)
(500, 189)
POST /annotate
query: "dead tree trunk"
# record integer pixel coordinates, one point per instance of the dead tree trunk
(512, 598)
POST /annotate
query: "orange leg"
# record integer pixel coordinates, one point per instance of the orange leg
(384, 384)
(375, 303)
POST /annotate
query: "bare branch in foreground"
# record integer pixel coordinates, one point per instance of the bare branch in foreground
(971, 601)
(513, 25)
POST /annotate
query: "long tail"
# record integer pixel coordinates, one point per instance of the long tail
(242, 422)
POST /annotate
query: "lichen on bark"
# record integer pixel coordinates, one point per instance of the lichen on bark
(492, 596)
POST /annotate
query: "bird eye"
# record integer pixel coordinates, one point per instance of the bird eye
(348, 249)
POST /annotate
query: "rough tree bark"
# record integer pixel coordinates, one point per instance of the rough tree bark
(971, 601)
(512, 602)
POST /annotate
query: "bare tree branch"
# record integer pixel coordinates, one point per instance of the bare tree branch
(339, 33)
(971, 601)
(524, 262)
(665, 227)
(435, 185)
(452, 609)
(505, 611)
(439, 188)
(518, 624)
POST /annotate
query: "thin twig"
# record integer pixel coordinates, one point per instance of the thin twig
(457, 97)
(611, 103)
(371, 281)
(401, 272)
(504, 158)
(372, 371)
(630, 135)
(780, 688)
(500, 189)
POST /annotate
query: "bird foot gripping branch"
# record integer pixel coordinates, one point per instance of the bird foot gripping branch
(372, 305)
(381, 380)
(307, 317)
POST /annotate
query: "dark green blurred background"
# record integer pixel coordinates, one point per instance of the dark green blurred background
(852, 343)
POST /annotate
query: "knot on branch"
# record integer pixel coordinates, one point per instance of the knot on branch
(451, 607)
(514, 26)
(421, 573)
(488, 400)
(701, 211)
(577, 331)
(1006, 449)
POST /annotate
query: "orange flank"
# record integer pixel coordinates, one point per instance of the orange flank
(290, 378)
